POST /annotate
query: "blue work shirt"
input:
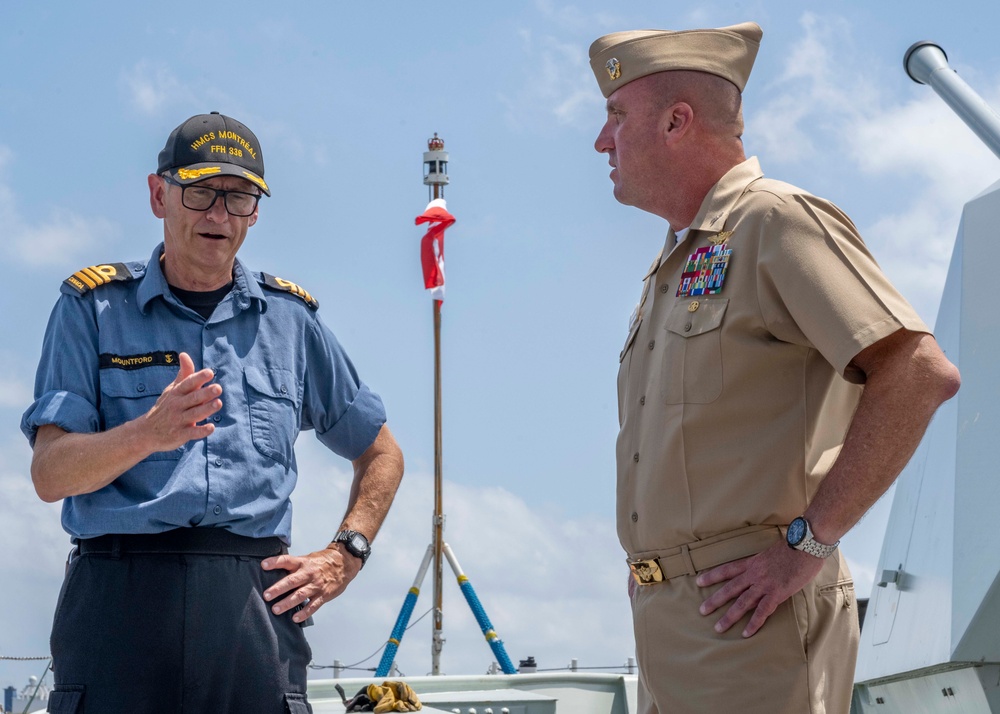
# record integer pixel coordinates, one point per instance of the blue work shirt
(110, 351)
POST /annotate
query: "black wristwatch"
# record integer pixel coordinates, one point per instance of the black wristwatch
(800, 537)
(355, 543)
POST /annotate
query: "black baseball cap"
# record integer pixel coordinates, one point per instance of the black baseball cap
(210, 145)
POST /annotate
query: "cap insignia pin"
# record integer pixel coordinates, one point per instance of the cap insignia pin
(614, 68)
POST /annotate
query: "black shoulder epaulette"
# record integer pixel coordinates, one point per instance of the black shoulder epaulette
(279, 284)
(95, 276)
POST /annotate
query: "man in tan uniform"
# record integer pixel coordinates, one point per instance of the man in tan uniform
(772, 386)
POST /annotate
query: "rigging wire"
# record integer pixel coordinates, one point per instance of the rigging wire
(381, 647)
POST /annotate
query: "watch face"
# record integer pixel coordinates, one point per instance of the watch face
(796, 531)
(358, 543)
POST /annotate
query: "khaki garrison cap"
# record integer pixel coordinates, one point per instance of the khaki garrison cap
(622, 57)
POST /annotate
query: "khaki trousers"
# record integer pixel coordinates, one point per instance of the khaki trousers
(800, 662)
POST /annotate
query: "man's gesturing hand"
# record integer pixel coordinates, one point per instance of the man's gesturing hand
(317, 578)
(759, 583)
(189, 399)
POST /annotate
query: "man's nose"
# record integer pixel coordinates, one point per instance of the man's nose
(217, 211)
(603, 142)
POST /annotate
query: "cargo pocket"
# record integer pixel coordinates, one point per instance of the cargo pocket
(273, 397)
(66, 699)
(692, 358)
(127, 394)
(297, 704)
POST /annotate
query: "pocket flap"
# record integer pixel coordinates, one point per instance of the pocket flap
(297, 704)
(277, 383)
(631, 338)
(66, 699)
(136, 383)
(696, 316)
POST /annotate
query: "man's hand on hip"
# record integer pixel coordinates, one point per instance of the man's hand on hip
(759, 584)
(317, 578)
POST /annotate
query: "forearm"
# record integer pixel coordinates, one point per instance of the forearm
(69, 464)
(377, 474)
(904, 388)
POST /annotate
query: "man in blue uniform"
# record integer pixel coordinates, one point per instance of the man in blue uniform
(167, 402)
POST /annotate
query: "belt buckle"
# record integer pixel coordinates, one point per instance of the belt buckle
(646, 572)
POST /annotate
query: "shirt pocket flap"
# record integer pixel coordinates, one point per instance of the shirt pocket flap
(696, 317)
(275, 383)
(136, 383)
(630, 339)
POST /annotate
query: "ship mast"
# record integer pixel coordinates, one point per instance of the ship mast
(436, 178)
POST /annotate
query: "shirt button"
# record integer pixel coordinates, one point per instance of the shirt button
(217, 510)
(284, 389)
(687, 327)
(216, 418)
(635, 517)
(635, 457)
(140, 387)
(218, 462)
(642, 400)
(664, 288)
(651, 343)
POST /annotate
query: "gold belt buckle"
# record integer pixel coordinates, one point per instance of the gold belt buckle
(646, 572)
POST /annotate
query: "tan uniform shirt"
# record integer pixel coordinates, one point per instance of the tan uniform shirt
(734, 405)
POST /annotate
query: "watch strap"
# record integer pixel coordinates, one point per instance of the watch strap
(810, 545)
(347, 538)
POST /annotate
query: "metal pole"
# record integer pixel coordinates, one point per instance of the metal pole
(926, 63)
(437, 640)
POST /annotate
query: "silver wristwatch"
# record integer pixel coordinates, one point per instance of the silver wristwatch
(800, 537)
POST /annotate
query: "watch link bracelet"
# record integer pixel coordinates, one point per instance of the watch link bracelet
(800, 537)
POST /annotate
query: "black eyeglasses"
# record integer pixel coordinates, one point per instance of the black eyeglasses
(202, 198)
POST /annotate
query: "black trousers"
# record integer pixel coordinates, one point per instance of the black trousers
(137, 630)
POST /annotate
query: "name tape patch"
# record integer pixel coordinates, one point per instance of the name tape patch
(150, 359)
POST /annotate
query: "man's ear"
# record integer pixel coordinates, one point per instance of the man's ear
(676, 121)
(157, 195)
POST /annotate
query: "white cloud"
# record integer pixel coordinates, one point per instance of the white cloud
(151, 87)
(553, 589)
(562, 85)
(830, 105)
(57, 241)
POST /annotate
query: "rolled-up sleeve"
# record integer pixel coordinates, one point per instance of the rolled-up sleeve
(68, 411)
(66, 384)
(345, 413)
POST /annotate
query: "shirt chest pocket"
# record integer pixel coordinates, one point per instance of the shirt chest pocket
(273, 401)
(127, 394)
(692, 359)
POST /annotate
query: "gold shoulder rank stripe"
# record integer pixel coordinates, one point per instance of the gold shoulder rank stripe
(288, 287)
(96, 275)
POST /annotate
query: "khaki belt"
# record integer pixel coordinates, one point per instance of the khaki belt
(692, 558)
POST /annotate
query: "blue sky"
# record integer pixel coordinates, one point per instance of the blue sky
(543, 266)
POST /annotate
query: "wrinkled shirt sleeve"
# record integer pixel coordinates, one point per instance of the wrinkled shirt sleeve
(345, 413)
(66, 384)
